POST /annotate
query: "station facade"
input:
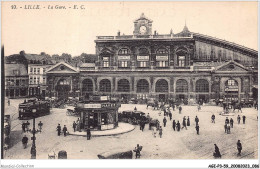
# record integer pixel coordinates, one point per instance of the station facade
(184, 65)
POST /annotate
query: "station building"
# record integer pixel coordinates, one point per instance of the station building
(185, 65)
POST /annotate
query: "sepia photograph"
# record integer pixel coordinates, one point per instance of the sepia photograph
(130, 80)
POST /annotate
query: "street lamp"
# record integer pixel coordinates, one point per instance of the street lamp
(33, 138)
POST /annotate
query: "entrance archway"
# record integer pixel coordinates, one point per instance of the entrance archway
(202, 87)
(142, 86)
(63, 87)
(161, 86)
(105, 85)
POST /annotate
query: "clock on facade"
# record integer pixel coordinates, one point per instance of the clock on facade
(142, 29)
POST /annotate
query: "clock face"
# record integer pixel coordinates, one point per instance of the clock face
(142, 29)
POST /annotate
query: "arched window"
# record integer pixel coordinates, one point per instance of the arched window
(124, 51)
(87, 86)
(161, 86)
(123, 85)
(124, 57)
(162, 58)
(181, 86)
(105, 85)
(182, 59)
(202, 85)
(142, 86)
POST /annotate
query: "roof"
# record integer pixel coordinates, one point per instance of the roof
(15, 70)
(87, 65)
(64, 71)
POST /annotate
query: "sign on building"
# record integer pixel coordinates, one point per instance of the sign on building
(124, 57)
(143, 58)
(161, 58)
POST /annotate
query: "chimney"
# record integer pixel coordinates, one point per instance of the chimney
(155, 33)
(118, 33)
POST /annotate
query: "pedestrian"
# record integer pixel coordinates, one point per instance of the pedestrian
(197, 120)
(58, 129)
(244, 119)
(143, 125)
(65, 130)
(135, 109)
(88, 134)
(239, 147)
(188, 121)
(160, 131)
(148, 117)
(173, 124)
(199, 107)
(225, 127)
(23, 127)
(198, 129)
(228, 128)
(180, 109)
(27, 126)
(213, 118)
(154, 132)
(164, 121)
(25, 141)
(178, 126)
(40, 124)
(227, 120)
(216, 154)
(74, 125)
(137, 151)
(238, 119)
(170, 115)
(231, 122)
(184, 123)
(173, 107)
(8, 102)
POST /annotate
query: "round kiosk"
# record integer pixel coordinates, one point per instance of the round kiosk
(98, 113)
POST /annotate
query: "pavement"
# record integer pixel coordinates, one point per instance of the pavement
(121, 129)
(185, 144)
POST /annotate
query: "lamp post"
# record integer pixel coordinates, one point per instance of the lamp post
(33, 138)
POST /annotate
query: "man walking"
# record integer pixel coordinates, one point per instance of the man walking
(58, 129)
(173, 124)
(197, 121)
(8, 102)
(180, 109)
(178, 126)
(23, 127)
(160, 131)
(40, 124)
(25, 141)
(225, 127)
(213, 118)
(64, 130)
(170, 115)
(244, 119)
(216, 154)
(88, 134)
(184, 123)
(238, 119)
(231, 123)
(227, 120)
(188, 121)
(74, 125)
(197, 129)
(239, 147)
(164, 121)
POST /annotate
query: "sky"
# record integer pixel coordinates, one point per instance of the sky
(73, 31)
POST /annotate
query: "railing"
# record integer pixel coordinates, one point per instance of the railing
(166, 36)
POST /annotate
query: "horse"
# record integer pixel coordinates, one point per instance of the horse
(237, 106)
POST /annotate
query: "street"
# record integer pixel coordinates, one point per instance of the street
(185, 144)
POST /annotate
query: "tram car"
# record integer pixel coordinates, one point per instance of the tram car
(33, 108)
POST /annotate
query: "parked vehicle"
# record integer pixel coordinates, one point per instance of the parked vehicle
(33, 108)
(247, 102)
(132, 117)
(116, 154)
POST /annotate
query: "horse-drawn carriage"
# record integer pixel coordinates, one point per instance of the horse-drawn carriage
(154, 123)
(71, 112)
(132, 117)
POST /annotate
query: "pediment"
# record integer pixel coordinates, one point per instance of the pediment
(62, 68)
(231, 66)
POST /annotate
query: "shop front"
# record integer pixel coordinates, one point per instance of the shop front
(99, 114)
